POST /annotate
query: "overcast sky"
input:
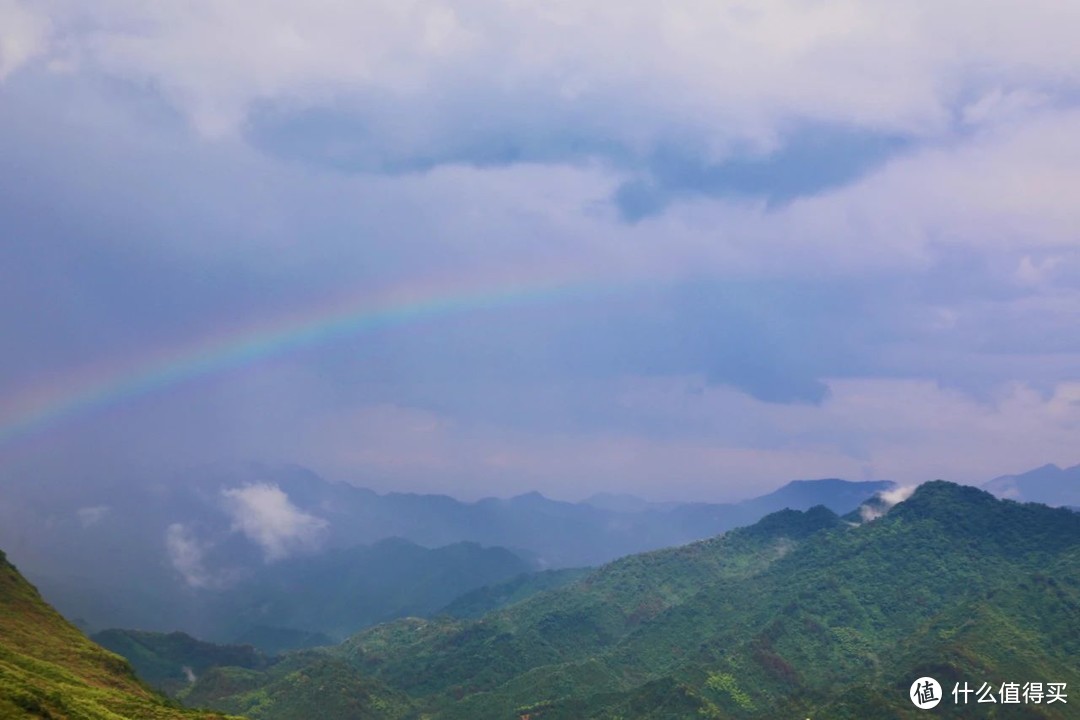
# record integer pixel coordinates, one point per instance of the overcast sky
(805, 238)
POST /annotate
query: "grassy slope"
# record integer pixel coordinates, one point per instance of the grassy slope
(49, 669)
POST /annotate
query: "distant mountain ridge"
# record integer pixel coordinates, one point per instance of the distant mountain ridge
(1049, 484)
(803, 614)
(338, 592)
(156, 555)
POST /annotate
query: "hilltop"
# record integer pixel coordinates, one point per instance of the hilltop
(49, 669)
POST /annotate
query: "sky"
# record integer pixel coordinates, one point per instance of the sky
(685, 250)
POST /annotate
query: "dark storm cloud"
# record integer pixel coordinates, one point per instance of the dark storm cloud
(137, 266)
(826, 240)
(810, 160)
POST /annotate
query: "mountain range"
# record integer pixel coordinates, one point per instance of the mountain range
(1049, 484)
(339, 591)
(224, 552)
(803, 614)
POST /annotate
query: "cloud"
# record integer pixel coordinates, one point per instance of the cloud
(186, 554)
(849, 221)
(90, 516)
(812, 160)
(681, 438)
(885, 501)
(265, 515)
(898, 495)
(23, 35)
(688, 96)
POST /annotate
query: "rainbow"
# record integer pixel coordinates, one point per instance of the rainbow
(93, 389)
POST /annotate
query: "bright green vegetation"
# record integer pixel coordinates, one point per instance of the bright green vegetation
(800, 616)
(483, 600)
(170, 661)
(305, 684)
(49, 669)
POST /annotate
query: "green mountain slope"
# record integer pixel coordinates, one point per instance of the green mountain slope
(800, 616)
(549, 639)
(554, 637)
(476, 603)
(803, 615)
(49, 669)
(305, 684)
(170, 662)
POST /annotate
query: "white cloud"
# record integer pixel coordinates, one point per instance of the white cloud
(1001, 106)
(402, 446)
(715, 73)
(898, 495)
(186, 554)
(90, 516)
(1013, 188)
(23, 35)
(1032, 272)
(988, 87)
(264, 513)
(729, 70)
(724, 445)
(885, 501)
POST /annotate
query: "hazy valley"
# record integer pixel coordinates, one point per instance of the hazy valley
(279, 557)
(806, 612)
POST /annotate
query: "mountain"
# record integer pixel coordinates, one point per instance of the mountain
(302, 685)
(49, 669)
(340, 591)
(170, 662)
(803, 614)
(162, 554)
(840, 496)
(323, 598)
(318, 599)
(624, 503)
(1049, 484)
(481, 601)
(274, 640)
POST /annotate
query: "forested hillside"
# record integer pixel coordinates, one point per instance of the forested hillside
(802, 615)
